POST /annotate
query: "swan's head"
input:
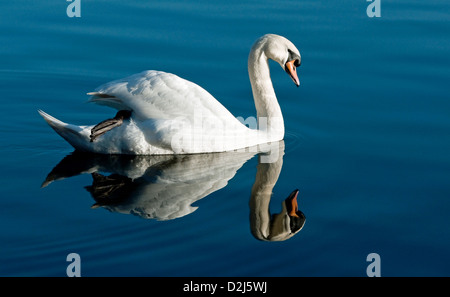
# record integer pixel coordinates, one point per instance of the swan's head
(282, 51)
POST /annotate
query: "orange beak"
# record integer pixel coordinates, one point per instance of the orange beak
(290, 68)
(293, 205)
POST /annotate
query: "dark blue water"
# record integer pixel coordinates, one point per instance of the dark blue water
(367, 140)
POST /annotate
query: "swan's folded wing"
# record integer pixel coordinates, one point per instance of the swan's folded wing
(159, 95)
(108, 100)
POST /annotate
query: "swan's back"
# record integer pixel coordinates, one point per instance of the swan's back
(176, 114)
(159, 95)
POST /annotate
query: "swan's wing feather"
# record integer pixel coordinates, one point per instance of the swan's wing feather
(159, 95)
(104, 127)
(99, 95)
(107, 100)
(173, 113)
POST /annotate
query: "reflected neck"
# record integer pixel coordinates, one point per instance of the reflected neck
(266, 177)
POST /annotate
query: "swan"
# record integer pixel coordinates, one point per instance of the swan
(161, 113)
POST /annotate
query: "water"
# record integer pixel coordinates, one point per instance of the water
(367, 139)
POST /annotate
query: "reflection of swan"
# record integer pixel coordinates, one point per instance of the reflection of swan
(161, 113)
(164, 187)
(152, 187)
(280, 226)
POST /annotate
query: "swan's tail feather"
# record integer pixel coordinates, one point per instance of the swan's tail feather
(77, 136)
(52, 121)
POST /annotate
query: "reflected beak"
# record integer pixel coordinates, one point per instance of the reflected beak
(292, 204)
(296, 217)
(290, 68)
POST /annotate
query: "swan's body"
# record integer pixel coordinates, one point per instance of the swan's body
(170, 115)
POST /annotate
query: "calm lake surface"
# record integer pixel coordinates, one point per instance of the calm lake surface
(367, 141)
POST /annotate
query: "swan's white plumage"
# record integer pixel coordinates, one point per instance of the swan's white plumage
(160, 95)
(172, 115)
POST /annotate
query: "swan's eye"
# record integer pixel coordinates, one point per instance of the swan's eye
(294, 56)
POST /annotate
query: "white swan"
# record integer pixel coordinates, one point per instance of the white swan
(161, 113)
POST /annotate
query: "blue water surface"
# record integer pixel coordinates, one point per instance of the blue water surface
(367, 138)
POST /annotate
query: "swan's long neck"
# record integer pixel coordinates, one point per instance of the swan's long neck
(268, 110)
